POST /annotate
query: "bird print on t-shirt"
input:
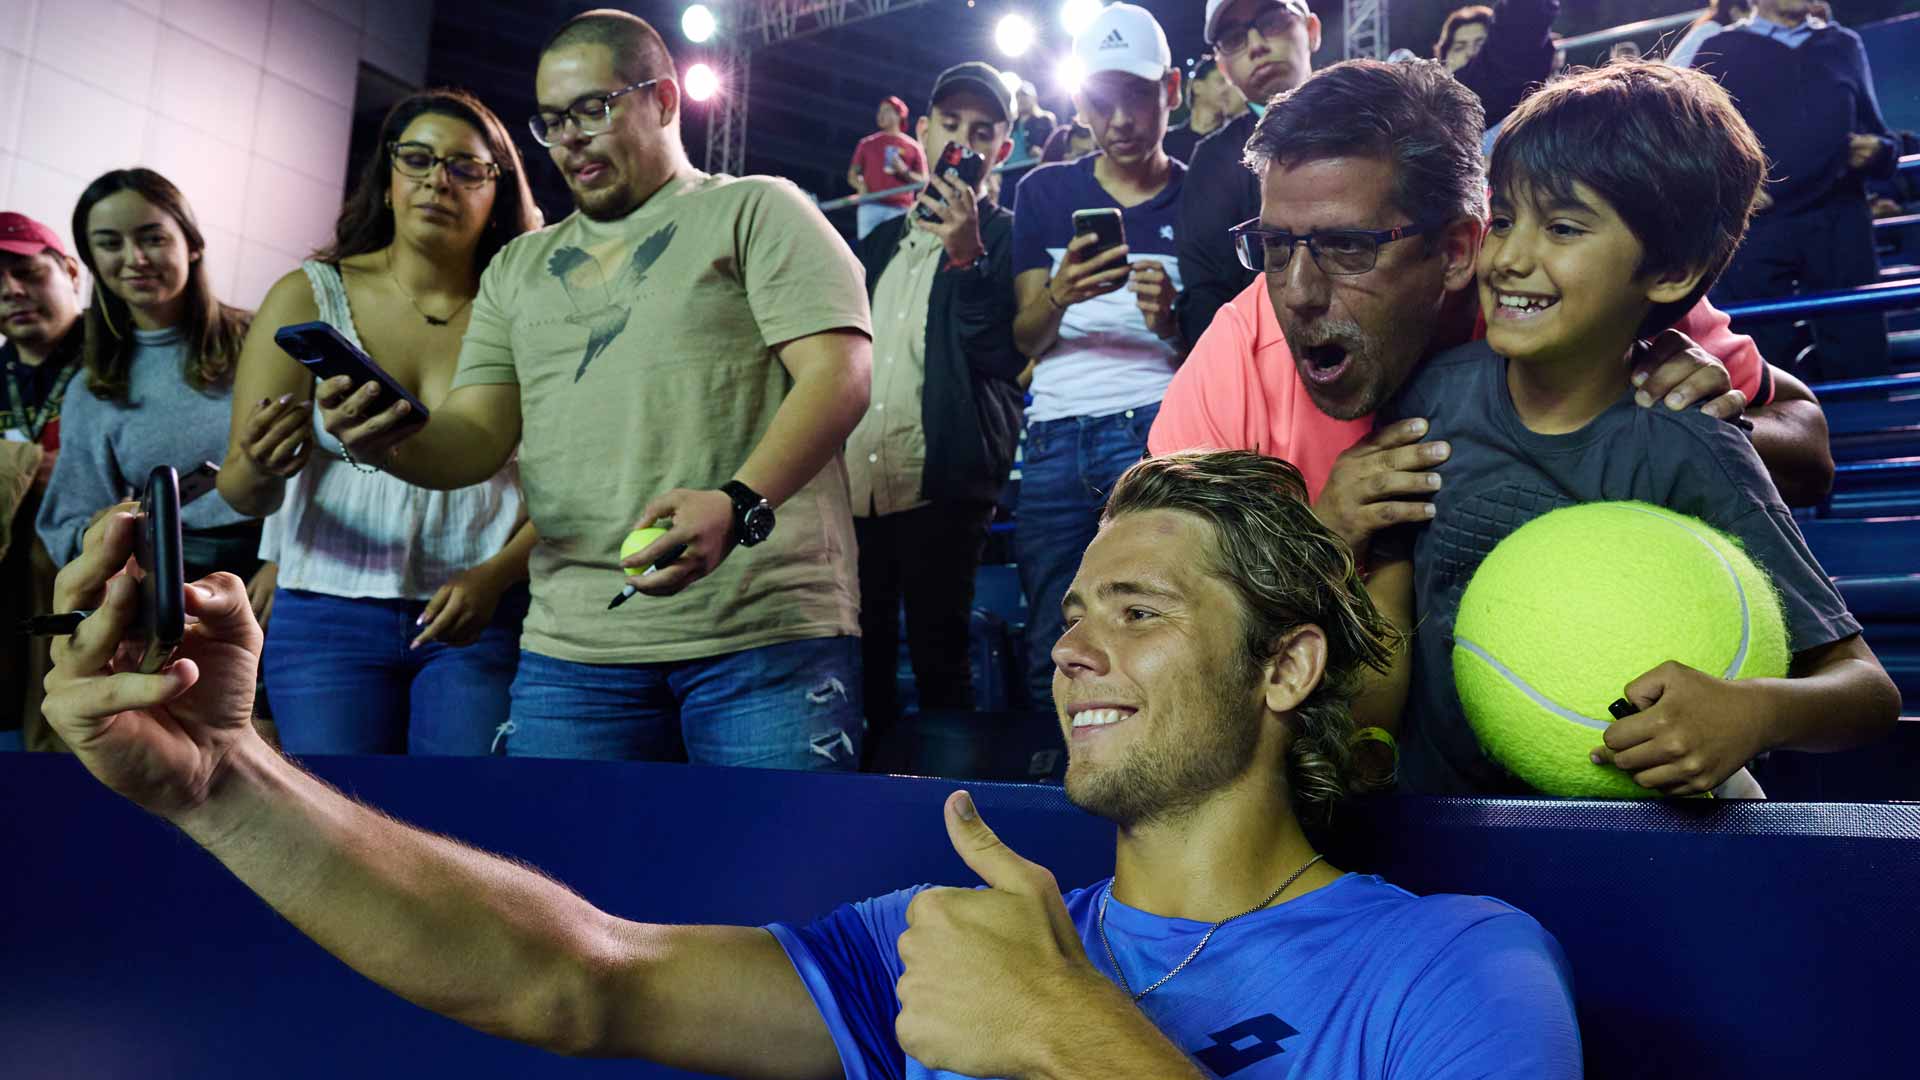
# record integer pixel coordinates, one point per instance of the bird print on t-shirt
(601, 308)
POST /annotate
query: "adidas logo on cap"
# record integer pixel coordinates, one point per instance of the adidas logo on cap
(1113, 40)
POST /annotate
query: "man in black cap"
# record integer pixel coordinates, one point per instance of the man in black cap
(933, 450)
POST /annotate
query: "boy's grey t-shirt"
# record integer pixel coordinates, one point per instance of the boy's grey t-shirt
(1501, 475)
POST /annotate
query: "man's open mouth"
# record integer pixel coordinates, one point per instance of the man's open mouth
(1325, 362)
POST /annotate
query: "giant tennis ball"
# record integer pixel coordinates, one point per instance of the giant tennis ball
(1576, 604)
(636, 541)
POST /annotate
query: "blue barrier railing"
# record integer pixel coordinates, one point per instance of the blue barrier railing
(1910, 381)
(1887, 294)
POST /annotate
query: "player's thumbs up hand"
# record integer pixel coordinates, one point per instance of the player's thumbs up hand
(983, 968)
(1003, 868)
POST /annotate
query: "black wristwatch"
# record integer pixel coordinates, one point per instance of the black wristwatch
(752, 514)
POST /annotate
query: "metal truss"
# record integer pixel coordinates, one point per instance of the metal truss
(727, 114)
(1365, 27)
(756, 24)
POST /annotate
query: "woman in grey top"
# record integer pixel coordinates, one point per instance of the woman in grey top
(397, 611)
(158, 362)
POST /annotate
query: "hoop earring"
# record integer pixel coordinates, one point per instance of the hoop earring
(106, 313)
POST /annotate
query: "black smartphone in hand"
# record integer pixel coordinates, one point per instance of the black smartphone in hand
(157, 558)
(321, 350)
(1104, 223)
(959, 164)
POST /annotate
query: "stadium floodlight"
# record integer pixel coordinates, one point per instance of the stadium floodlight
(1077, 15)
(698, 23)
(1014, 35)
(1070, 73)
(702, 83)
(1011, 80)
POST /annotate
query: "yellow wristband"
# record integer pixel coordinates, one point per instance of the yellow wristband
(1374, 734)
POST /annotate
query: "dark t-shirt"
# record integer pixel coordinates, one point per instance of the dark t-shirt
(1179, 143)
(1501, 475)
(30, 395)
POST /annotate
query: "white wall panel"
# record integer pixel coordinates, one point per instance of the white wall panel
(13, 94)
(102, 42)
(223, 259)
(302, 131)
(205, 86)
(78, 129)
(288, 210)
(245, 104)
(238, 26)
(45, 194)
(211, 172)
(314, 49)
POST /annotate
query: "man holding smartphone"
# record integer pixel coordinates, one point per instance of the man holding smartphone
(932, 453)
(688, 350)
(1095, 317)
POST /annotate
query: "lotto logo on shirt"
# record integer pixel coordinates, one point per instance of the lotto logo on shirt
(1246, 1043)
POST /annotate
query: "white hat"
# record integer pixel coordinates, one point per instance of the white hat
(1124, 38)
(1212, 31)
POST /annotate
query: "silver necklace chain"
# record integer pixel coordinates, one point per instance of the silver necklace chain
(1101, 924)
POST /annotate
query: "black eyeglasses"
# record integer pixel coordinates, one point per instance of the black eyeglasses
(1334, 251)
(1272, 23)
(417, 160)
(591, 114)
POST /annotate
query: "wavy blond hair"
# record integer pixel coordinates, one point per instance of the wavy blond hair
(1289, 570)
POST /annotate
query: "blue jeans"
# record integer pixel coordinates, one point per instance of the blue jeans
(1070, 466)
(795, 705)
(341, 680)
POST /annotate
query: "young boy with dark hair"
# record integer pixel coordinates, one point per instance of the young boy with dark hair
(1618, 196)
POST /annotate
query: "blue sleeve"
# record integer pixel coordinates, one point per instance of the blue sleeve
(1496, 1002)
(1030, 224)
(1868, 119)
(850, 964)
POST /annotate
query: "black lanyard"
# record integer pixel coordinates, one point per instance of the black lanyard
(35, 420)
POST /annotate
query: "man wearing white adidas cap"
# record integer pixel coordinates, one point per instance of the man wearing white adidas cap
(1097, 321)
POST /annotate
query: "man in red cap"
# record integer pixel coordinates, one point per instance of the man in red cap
(886, 159)
(40, 324)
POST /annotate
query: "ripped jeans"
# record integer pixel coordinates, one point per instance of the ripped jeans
(795, 705)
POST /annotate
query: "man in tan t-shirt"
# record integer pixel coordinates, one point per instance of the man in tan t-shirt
(685, 349)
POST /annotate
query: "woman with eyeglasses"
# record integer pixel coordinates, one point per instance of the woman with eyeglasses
(158, 356)
(395, 623)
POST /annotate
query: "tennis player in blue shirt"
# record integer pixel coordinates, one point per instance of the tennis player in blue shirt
(1214, 637)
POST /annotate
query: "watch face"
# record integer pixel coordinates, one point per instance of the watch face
(756, 525)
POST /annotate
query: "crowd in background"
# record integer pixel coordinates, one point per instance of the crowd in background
(824, 432)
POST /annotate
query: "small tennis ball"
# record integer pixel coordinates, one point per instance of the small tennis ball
(1576, 604)
(636, 541)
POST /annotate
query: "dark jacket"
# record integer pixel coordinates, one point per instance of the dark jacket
(970, 402)
(1804, 104)
(1219, 193)
(1517, 57)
